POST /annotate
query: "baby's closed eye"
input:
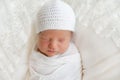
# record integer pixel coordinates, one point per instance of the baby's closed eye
(61, 40)
(44, 38)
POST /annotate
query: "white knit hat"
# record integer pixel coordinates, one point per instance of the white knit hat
(57, 15)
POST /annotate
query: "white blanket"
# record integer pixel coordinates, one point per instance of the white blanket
(60, 67)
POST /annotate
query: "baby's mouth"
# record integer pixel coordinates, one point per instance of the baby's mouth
(52, 51)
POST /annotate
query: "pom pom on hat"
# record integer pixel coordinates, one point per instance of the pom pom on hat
(55, 15)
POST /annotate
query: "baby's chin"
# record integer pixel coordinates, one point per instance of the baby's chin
(54, 53)
(51, 53)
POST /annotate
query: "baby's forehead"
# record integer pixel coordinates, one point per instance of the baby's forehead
(56, 33)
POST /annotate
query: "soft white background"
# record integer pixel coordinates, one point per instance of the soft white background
(97, 37)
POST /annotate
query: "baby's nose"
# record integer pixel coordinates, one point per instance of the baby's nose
(53, 44)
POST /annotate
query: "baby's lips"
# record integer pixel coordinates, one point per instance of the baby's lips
(51, 51)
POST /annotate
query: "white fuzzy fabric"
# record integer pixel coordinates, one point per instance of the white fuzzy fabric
(97, 37)
(100, 57)
(55, 14)
(66, 66)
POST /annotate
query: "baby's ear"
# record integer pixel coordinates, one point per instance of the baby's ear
(39, 33)
(72, 34)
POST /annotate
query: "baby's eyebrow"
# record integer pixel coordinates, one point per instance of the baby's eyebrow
(42, 36)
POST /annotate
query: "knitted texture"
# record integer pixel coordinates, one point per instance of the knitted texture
(57, 15)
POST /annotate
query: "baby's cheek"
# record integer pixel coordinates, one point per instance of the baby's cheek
(43, 44)
(63, 48)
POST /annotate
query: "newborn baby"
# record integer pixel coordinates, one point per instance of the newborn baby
(54, 56)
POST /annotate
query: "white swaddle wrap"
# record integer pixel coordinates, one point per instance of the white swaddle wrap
(64, 66)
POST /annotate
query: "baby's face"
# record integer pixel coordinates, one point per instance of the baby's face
(53, 42)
